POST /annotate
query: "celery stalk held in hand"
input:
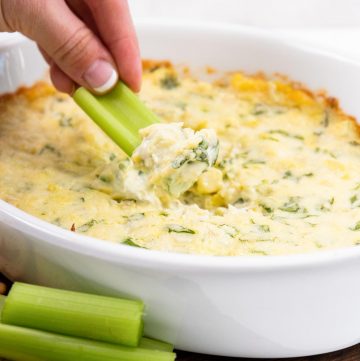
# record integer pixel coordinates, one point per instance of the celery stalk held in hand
(77, 314)
(167, 159)
(119, 113)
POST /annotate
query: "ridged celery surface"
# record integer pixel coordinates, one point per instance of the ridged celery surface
(152, 344)
(2, 302)
(76, 314)
(120, 114)
(22, 344)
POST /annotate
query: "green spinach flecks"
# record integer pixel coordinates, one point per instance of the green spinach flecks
(286, 134)
(251, 162)
(86, 226)
(356, 227)
(177, 228)
(259, 109)
(170, 81)
(135, 217)
(49, 148)
(266, 208)
(326, 119)
(291, 206)
(258, 252)
(130, 242)
(263, 227)
(229, 230)
(65, 121)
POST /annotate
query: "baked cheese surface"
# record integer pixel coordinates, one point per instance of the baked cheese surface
(286, 179)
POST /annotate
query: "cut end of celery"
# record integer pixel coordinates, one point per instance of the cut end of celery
(120, 114)
(152, 344)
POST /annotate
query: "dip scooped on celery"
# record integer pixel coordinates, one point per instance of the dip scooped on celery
(166, 159)
(173, 157)
(166, 164)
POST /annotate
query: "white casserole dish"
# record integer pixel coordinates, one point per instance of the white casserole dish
(282, 306)
(20, 62)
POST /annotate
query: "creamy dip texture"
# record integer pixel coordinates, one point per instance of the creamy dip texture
(286, 179)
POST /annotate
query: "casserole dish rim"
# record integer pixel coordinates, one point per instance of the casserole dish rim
(116, 252)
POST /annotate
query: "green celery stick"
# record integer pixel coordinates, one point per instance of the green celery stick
(153, 344)
(120, 114)
(2, 302)
(76, 314)
(22, 344)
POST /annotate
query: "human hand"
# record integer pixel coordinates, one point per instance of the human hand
(85, 42)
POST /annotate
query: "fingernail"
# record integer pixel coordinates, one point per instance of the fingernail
(101, 76)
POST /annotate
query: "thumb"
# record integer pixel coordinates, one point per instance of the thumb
(71, 45)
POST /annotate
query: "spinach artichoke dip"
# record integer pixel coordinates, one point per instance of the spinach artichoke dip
(243, 165)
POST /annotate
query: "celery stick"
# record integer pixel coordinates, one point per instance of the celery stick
(153, 344)
(76, 314)
(22, 344)
(2, 302)
(120, 114)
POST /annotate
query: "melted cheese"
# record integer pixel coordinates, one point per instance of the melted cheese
(286, 179)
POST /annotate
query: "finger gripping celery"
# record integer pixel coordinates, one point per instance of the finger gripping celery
(95, 317)
(21, 344)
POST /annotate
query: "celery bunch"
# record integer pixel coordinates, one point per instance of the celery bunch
(94, 317)
(44, 324)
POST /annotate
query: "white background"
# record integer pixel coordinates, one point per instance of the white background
(264, 13)
(330, 24)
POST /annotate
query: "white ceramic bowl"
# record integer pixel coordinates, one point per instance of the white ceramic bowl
(20, 62)
(241, 306)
